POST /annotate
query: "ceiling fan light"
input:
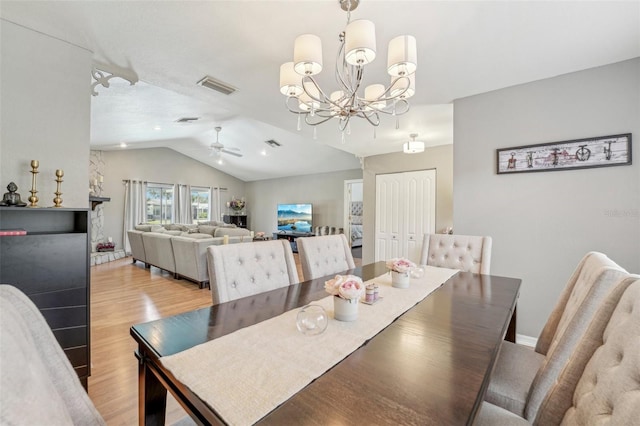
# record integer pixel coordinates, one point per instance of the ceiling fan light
(290, 82)
(360, 42)
(397, 89)
(307, 54)
(402, 56)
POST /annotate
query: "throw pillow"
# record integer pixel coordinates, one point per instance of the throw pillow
(143, 228)
(158, 228)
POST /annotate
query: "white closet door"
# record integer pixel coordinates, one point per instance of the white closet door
(405, 211)
(388, 216)
(420, 202)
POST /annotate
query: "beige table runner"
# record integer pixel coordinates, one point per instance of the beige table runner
(246, 374)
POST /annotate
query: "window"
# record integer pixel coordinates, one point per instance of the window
(200, 203)
(159, 203)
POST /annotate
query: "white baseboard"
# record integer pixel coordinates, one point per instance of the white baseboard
(521, 339)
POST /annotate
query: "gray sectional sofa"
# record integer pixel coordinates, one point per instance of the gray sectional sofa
(181, 248)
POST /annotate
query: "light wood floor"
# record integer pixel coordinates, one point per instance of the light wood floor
(123, 294)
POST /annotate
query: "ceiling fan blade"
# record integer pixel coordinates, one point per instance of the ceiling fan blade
(226, 151)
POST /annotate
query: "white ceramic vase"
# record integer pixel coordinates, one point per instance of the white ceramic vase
(345, 309)
(400, 279)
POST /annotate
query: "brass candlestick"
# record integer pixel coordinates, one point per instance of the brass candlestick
(34, 199)
(58, 201)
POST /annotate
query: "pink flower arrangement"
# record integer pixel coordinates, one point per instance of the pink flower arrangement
(348, 287)
(400, 265)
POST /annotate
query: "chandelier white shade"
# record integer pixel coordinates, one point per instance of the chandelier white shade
(352, 98)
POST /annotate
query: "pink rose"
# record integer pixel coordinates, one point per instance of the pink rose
(400, 265)
(345, 286)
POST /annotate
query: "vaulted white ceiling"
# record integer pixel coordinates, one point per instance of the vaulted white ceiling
(464, 48)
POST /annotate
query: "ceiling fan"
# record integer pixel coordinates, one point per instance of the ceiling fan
(218, 149)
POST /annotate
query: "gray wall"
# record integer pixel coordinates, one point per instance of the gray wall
(161, 165)
(543, 223)
(439, 158)
(45, 108)
(325, 191)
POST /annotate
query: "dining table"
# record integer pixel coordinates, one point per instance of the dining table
(427, 365)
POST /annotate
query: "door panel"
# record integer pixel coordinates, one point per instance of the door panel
(405, 211)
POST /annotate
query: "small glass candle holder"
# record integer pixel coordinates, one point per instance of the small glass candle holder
(312, 320)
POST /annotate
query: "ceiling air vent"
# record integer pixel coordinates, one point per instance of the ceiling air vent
(217, 85)
(272, 143)
(187, 119)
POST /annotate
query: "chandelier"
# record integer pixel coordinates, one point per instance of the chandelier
(413, 146)
(357, 49)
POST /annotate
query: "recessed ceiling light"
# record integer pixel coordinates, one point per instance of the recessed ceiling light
(263, 152)
(220, 161)
(123, 145)
(157, 128)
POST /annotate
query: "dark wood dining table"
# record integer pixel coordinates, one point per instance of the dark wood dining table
(431, 366)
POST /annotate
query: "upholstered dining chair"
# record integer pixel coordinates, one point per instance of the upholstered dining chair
(465, 252)
(240, 270)
(325, 255)
(39, 385)
(600, 382)
(523, 376)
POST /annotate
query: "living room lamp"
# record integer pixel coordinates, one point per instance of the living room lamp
(357, 49)
(413, 146)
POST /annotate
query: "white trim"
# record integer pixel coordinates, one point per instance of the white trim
(521, 339)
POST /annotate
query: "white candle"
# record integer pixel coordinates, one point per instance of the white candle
(225, 239)
(95, 182)
(101, 179)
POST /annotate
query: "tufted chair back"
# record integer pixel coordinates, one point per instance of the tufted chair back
(39, 385)
(602, 379)
(240, 270)
(326, 255)
(465, 252)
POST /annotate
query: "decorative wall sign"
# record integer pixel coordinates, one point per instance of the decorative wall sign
(600, 151)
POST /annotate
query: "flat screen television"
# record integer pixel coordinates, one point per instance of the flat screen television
(295, 217)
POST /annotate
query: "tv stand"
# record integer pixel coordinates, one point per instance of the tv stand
(292, 236)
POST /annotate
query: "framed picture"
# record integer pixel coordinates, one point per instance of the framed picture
(600, 151)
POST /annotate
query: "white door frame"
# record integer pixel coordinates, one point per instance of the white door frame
(346, 217)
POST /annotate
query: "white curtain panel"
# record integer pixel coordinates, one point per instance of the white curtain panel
(182, 204)
(134, 208)
(216, 204)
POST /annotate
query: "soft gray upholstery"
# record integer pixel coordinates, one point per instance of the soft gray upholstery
(191, 257)
(240, 270)
(598, 276)
(232, 232)
(601, 381)
(512, 377)
(326, 255)
(39, 386)
(137, 247)
(465, 252)
(159, 250)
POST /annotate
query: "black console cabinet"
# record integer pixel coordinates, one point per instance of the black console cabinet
(292, 236)
(50, 264)
(239, 220)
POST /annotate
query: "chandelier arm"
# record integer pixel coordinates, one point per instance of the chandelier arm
(342, 125)
(287, 104)
(368, 118)
(403, 102)
(311, 123)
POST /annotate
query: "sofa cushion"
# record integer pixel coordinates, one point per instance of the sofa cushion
(207, 229)
(232, 232)
(143, 228)
(173, 233)
(158, 228)
(195, 235)
(174, 227)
